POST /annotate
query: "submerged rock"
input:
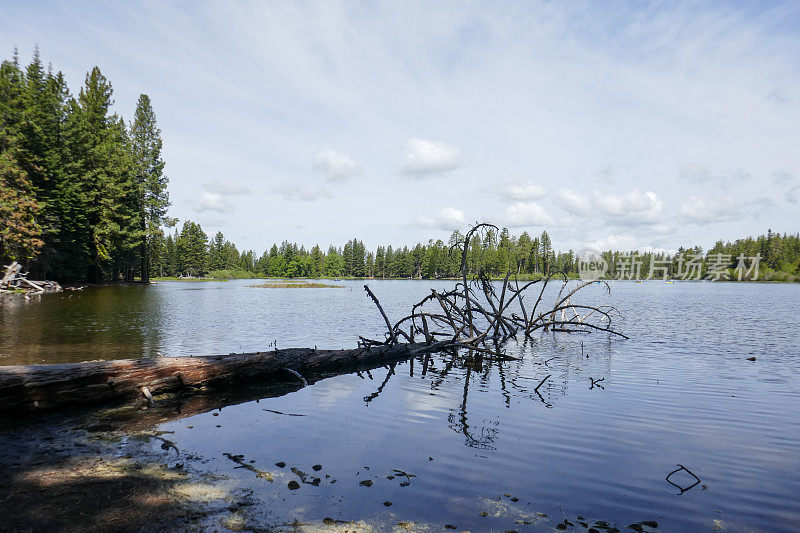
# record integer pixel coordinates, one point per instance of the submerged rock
(294, 485)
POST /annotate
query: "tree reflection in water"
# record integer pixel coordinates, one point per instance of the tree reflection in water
(548, 381)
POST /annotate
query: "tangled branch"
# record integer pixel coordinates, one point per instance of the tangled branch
(479, 315)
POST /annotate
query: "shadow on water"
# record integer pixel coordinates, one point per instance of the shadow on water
(114, 468)
(116, 322)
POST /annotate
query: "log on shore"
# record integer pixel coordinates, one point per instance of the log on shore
(138, 415)
(27, 388)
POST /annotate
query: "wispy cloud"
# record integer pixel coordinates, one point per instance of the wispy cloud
(519, 189)
(299, 192)
(759, 206)
(698, 173)
(210, 201)
(781, 178)
(225, 187)
(791, 196)
(709, 209)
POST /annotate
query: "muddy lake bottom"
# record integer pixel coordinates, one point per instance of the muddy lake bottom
(430, 444)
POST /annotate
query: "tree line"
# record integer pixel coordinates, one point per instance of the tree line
(190, 253)
(82, 192)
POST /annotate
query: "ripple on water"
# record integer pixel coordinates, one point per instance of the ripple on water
(680, 391)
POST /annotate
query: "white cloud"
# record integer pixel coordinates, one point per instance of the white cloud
(572, 202)
(423, 158)
(336, 166)
(296, 191)
(635, 207)
(225, 187)
(520, 190)
(523, 214)
(708, 210)
(209, 201)
(448, 218)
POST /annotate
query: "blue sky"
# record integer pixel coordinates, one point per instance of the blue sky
(623, 125)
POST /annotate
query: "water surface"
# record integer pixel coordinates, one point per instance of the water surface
(483, 449)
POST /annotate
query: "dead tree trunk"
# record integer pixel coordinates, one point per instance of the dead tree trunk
(25, 388)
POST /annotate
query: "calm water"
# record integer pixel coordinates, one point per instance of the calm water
(679, 391)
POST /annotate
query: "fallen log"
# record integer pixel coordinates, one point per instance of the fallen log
(11, 272)
(139, 415)
(26, 388)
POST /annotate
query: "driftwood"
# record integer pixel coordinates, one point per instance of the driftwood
(478, 315)
(25, 388)
(15, 280)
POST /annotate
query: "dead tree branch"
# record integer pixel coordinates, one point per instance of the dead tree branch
(481, 314)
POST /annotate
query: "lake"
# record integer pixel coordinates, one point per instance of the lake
(479, 448)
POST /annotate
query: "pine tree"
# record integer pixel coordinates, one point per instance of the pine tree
(546, 252)
(101, 176)
(216, 252)
(19, 208)
(19, 229)
(192, 252)
(149, 177)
